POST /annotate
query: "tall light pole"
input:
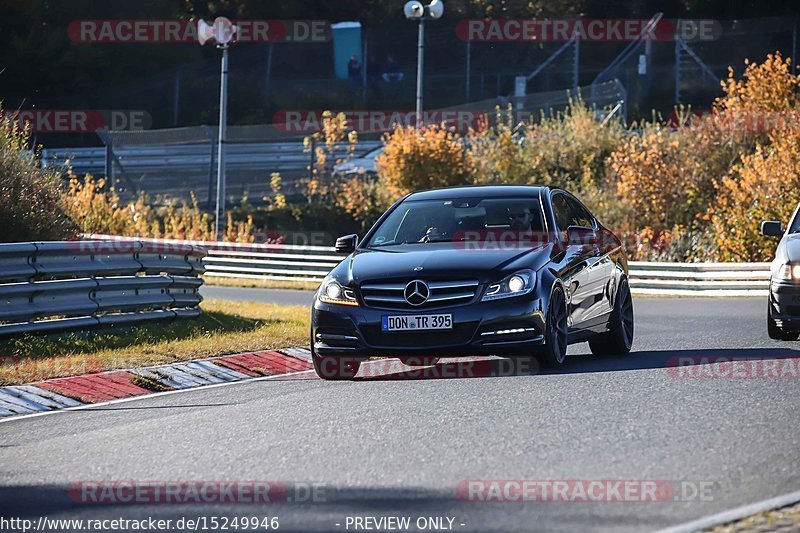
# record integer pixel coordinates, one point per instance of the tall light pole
(223, 32)
(219, 221)
(414, 10)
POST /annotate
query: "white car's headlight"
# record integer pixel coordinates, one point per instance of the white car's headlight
(516, 284)
(333, 292)
(788, 272)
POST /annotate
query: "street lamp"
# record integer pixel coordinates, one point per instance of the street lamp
(222, 31)
(414, 10)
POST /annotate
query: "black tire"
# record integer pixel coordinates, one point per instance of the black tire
(554, 351)
(419, 361)
(619, 338)
(778, 333)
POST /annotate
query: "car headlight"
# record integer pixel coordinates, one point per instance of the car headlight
(333, 292)
(516, 284)
(788, 272)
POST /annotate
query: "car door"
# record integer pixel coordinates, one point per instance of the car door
(580, 258)
(600, 271)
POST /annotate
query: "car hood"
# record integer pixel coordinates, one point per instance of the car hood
(439, 261)
(354, 165)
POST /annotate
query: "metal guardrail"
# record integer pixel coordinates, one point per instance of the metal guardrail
(280, 262)
(312, 263)
(174, 171)
(699, 279)
(54, 286)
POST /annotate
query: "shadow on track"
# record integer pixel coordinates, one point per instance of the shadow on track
(328, 514)
(732, 363)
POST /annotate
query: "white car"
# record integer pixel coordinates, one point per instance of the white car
(783, 309)
(363, 166)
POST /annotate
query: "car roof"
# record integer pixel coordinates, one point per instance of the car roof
(479, 191)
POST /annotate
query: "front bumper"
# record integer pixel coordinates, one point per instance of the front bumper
(510, 326)
(784, 297)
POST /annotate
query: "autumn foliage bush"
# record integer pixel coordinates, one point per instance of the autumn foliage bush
(430, 157)
(663, 176)
(30, 197)
(764, 186)
(498, 154)
(767, 87)
(96, 208)
(571, 148)
(35, 204)
(696, 182)
(326, 147)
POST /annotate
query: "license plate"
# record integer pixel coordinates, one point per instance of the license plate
(416, 322)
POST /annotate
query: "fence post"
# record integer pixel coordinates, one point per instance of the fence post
(311, 159)
(268, 77)
(176, 97)
(468, 69)
(211, 160)
(109, 163)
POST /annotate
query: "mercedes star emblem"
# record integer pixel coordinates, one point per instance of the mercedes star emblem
(417, 292)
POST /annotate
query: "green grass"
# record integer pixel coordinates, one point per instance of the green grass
(224, 327)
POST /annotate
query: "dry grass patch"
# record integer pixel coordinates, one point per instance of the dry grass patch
(263, 283)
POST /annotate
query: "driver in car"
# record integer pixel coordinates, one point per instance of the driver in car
(520, 218)
(439, 227)
(521, 224)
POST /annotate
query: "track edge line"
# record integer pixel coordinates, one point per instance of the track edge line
(736, 513)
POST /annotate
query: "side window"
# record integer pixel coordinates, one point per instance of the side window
(580, 215)
(568, 213)
(562, 213)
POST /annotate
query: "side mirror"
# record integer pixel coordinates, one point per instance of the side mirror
(771, 228)
(581, 235)
(346, 244)
(607, 239)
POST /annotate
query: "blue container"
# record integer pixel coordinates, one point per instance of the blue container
(346, 44)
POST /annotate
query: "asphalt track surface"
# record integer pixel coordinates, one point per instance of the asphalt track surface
(399, 442)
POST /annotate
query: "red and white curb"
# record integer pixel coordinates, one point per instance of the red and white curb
(74, 391)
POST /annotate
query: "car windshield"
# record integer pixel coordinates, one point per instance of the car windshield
(459, 220)
(794, 227)
(372, 154)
